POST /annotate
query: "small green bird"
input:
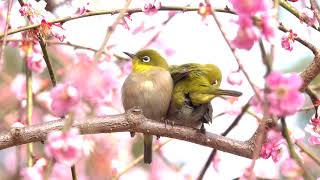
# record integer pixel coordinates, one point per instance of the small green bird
(149, 86)
(195, 86)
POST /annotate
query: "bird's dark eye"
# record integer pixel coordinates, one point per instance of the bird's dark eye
(215, 82)
(146, 59)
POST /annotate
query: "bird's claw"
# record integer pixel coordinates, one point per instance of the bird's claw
(132, 134)
(202, 129)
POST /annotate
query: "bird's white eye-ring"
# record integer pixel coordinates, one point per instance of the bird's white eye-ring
(146, 59)
(215, 82)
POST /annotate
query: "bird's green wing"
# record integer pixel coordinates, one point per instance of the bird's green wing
(181, 72)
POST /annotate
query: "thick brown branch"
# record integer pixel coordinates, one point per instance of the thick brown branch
(126, 122)
(311, 71)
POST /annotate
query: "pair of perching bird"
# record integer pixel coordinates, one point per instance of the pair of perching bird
(181, 94)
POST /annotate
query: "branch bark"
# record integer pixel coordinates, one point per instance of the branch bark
(133, 122)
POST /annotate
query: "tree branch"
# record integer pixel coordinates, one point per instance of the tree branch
(310, 72)
(132, 121)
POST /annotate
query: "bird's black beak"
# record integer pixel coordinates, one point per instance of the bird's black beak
(130, 55)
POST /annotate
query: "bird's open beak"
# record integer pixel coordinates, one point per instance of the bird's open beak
(130, 55)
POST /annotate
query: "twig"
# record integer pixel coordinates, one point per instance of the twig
(265, 58)
(44, 52)
(5, 34)
(313, 96)
(295, 12)
(111, 29)
(76, 46)
(105, 12)
(29, 110)
(137, 10)
(315, 9)
(47, 60)
(207, 164)
(308, 152)
(139, 159)
(307, 44)
(214, 151)
(292, 152)
(233, 51)
(74, 172)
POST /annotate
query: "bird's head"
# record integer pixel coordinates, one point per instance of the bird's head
(147, 59)
(214, 74)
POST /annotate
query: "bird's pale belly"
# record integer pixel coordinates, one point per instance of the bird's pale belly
(150, 91)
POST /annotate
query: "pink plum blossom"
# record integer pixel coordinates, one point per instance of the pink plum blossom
(309, 16)
(36, 62)
(127, 68)
(36, 13)
(216, 161)
(247, 33)
(83, 8)
(274, 146)
(36, 171)
(124, 21)
(151, 7)
(204, 10)
(314, 139)
(17, 125)
(3, 12)
(49, 29)
(248, 174)
(287, 40)
(284, 97)
(102, 82)
(291, 170)
(314, 130)
(64, 147)
(18, 86)
(33, 8)
(235, 78)
(64, 99)
(250, 7)
(268, 27)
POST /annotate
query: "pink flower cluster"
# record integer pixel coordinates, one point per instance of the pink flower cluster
(30, 48)
(102, 80)
(290, 169)
(248, 174)
(65, 97)
(235, 78)
(288, 39)
(65, 147)
(3, 12)
(309, 16)
(36, 171)
(36, 13)
(124, 21)
(248, 33)
(274, 147)
(18, 86)
(151, 7)
(283, 95)
(314, 129)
